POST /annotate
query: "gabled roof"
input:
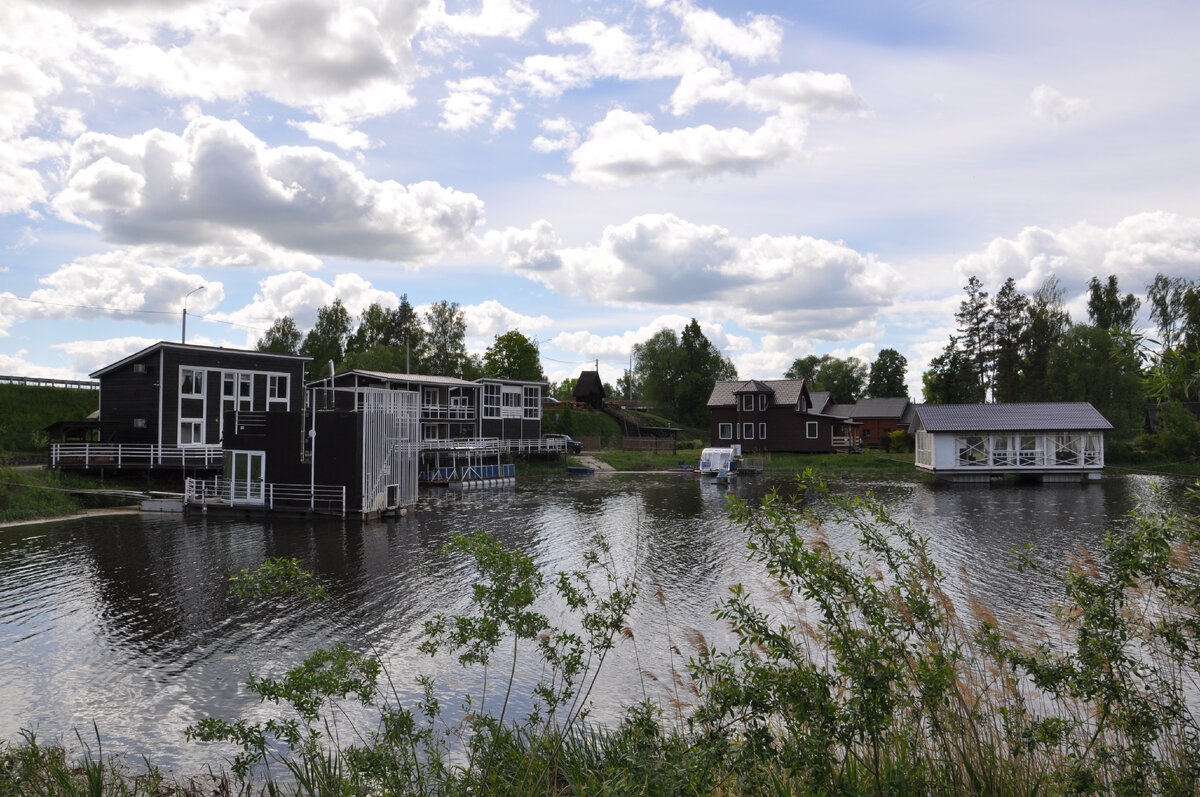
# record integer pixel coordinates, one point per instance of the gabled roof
(786, 391)
(1064, 416)
(820, 399)
(754, 386)
(892, 408)
(839, 410)
(588, 384)
(163, 344)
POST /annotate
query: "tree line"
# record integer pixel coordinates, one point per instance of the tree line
(401, 340)
(1014, 347)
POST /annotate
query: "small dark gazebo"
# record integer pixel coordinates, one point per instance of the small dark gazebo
(590, 390)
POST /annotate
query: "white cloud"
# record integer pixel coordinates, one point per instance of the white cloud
(468, 104)
(342, 136)
(92, 355)
(781, 284)
(758, 39)
(217, 182)
(1050, 103)
(502, 18)
(808, 93)
(300, 296)
(491, 318)
(1135, 249)
(623, 148)
(560, 134)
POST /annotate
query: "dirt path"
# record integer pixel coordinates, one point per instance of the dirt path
(591, 462)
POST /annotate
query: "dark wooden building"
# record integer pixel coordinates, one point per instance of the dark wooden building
(773, 415)
(590, 390)
(511, 410)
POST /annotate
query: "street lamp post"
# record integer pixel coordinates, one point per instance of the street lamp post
(183, 333)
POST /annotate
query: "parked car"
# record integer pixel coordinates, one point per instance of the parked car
(573, 446)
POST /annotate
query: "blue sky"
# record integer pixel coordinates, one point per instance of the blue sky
(801, 177)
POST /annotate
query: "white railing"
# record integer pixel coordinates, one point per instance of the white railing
(268, 495)
(431, 412)
(133, 455)
(494, 445)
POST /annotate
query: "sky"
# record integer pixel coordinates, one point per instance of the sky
(801, 177)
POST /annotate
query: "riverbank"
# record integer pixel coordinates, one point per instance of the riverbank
(32, 495)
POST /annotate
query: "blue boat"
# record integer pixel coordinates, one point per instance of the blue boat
(580, 470)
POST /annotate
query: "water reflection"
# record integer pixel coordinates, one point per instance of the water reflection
(126, 620)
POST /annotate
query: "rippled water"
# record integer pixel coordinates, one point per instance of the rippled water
(125, 621)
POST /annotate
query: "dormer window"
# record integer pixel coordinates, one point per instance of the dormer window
(748, 403)
(762, 401)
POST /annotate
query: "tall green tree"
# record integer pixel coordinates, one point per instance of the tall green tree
(1168, 310)
(888, 375)
(445, 340)
(513, 356)
(1046, 323)
(807, 368)
(1091, 364)
(659, 364)
(952, 378)
(1107, 308)
(283, 337)
(845, 379)
(703, 367)
(975, 333)
(1010, 320)
(326, 341)
(375, 328)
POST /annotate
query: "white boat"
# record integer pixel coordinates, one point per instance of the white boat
(714, 461)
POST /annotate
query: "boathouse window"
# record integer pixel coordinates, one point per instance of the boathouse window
(512, 402)
(1030, 450)
(191, 433)
(533, 402)
(191, 382)
(1066, 449)
(748, 403)
(747, 431)
(491, 401)
(725, 431)
(277, 391)
(972, 451)
(924, 455)
(811, 430)
(762, 431)
(1093, 448)
(1003, 454)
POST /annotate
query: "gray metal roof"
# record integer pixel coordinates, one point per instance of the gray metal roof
(881, 408)
(416, 379)
(1034, 417)
(820, 399)
(786, 391)
(839, 410)
(166, 344)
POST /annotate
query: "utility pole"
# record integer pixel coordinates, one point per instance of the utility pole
(183, 332)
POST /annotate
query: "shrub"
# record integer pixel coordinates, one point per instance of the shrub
(1178, 432)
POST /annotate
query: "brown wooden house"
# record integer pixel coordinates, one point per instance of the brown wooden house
(774, 415)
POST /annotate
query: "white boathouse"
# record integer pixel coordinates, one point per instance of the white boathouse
(1052, 441)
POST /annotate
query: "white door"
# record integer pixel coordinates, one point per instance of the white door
(244, 472)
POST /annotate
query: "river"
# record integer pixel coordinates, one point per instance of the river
(126, 621)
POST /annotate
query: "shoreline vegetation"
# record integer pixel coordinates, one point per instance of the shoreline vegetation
(861, 675)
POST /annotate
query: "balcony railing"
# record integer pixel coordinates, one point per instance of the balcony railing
(134, 455)
(441, 412)
(322, 498)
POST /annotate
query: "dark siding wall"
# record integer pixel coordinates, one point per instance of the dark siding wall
(786, 430)
(338, 453)
(280, 436)
(126, 395)
(511, 428)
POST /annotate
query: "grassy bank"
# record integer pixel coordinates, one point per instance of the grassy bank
(870, 462)
(27, 409)
(856, 673)
(37, 494)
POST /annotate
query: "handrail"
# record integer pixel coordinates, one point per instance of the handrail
(88, 455)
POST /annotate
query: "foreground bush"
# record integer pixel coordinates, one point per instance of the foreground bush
(859, 675)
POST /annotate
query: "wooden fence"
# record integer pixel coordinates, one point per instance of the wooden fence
(648, 444)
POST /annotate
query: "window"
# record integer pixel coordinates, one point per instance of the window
(139, 423)
(725, 431)
(491, 401)
(1003, 453)
(747, 431)
(811, 430)
(533, 402)
(748, 403)
(972, 451)
(277, 391)
(191, 382)
(924, 455)
(762, 431)
(1029, 451)
(762, 401)
(1066, 449)
(191, 433)
(245, 392)
(512, 402)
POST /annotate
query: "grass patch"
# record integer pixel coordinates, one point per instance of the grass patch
(27, 409)
(37, 494)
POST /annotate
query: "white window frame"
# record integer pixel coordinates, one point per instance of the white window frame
(245, 392)
(511, 400)
(762, 431)
(748, 431)
(533, 402)
(812, 430)
(762, 401)
(191, 382)
(191, 432)
(725, 431)
(491, 400)
(971, 450)
(748, 403)
(277, 391)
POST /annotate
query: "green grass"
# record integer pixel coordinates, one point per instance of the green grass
(871, 462)
(27, 409)
(37, 494)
